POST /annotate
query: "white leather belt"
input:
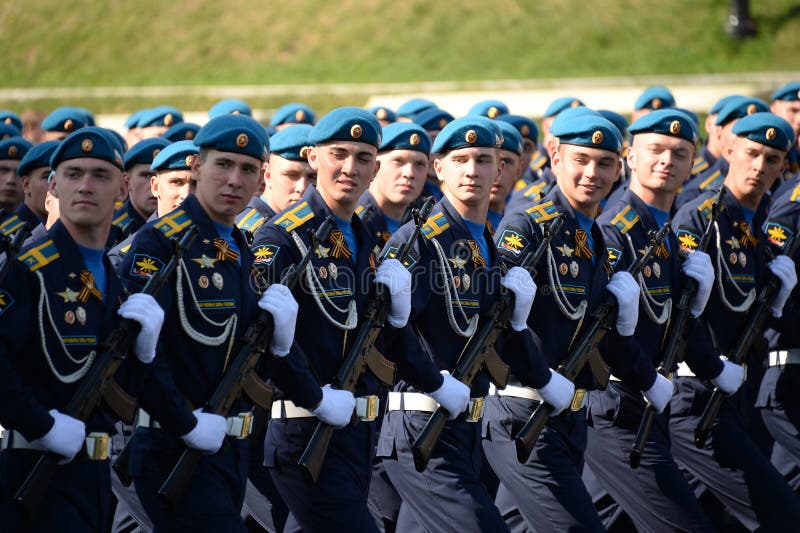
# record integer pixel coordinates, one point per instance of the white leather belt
(784, 357)
(96, 446)
(416, 401)
(366, 409)
(238, 426)
(684, 371)
(528, 393)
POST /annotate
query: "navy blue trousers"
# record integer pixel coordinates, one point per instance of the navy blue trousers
(780, 410)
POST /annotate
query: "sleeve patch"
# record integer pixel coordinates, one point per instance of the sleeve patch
(613, 255)
(144, 266)
(513, 242)
(778, 234)
(410, 261)
(688, 240)
(265, 254)
(6, 301)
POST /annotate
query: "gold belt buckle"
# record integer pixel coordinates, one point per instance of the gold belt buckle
(475, 409)
(577, 400)
(97, 446)
(369, 408)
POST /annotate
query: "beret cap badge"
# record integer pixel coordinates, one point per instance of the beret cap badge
(242, 140)
(68, 125)
(771, 134)
(168, 119)
(356, 131)
(575, 103)
(471, 137)
(525, 130)
(442, 122)
(675, 127)
(300, 115)
(155, 152)
(381, 114)
(493, 112)
(656, 103)
(597, 137)
(7, 120)
(87, 145)
(188, 160)
(751, 109)
(414, 139)
(12, 151)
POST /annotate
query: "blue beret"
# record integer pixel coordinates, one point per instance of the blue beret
(512, 140)
(88, 116)
(570, 113)
(143, 152)
(767, 129)
(347, 124)
(64, 119)
(183, 131)
(230, 106)
(467, 132)
(433, 119)
(526, 127)
(92, 142)
(121, 142)
(291, 143)
(383, 113)
(163, 115)
(655, 97)
(415, 105)
(488, 108)
(560, 104)
(789, 92)
(618, 120)
(592, 131)
(133, 120)
(176, 156)
(9, 130)
(269, 131)
(37, 157)
(669, 121)
(14, 148)
(740, 107)
(405, 136)
(692, 115)
(293, 113)
(9, 117)
(239, 134)
(722, 102)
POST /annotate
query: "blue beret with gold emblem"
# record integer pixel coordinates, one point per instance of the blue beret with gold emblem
(64, 119)
(526, 127)
(654, 97)
(9, 117)
(592, 131)
(175, 156)
(722, 102)
(560, 104)
(230, 106)
(121, 142)
(789, 92)
(468, 132)
(669, 121)
(767, 129)
(239, 134)
(489, 109)
(619, 121)
(405, 136)
(512, 140)
(692, 115)
(294, 113)
(291, 143)
(347, 124)
(133, 119)
(414, 106)
(572, 112)
(183, 131)
(433, 119)
(144, 152)
(37, 157)
(737, 108)
(383, 113)
(9, 130)
(14, 148)
(163, 115)
(91, 142)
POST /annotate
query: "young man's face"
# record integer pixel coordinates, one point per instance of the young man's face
(585, 175)
(286, 181)
(660, 163)
(225, 182)
(11, 194)
(36, 185)
(170, 188)
(754, 167)
(512, 170)
(139, 191)
(467, 175)
(344, 171)
(87, 189)
(401, 176)
(789, 111)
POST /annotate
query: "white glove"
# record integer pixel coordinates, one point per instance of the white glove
(698, 267)
(208, 434)
(784, 269)
(145, 310)
(558, 392)
(519, 281)
(452, 395)
(626, 291)
(65, 438)
(660, 393)
(397, 280)
(278, 301)
(336, 407)
(731, 377)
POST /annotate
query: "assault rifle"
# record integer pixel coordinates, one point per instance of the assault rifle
(12, 247)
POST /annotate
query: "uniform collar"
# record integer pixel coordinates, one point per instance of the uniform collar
(204, 223)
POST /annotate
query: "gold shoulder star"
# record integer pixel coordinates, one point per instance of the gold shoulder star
(565, 250)
(204, 261)
(69, 295)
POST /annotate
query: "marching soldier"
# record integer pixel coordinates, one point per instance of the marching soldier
(293, 113)
(529, 132)
(12, 150)
(511, 158)
(786, 104)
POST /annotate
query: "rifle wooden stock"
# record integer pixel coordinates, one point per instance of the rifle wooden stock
(98, 383)
(361, 355)
(603, 318)
(676, 345)
(12, 247)
(479, 352)
(239, 376)
(752, 331)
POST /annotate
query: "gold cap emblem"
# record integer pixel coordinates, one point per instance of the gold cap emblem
(675, 127)
(7, 120)
(189, 159)
(493, 112)
(87, 145)
(597, 137)
(155, 152)
(798, 95)
(381, 114)
(189, 135)
(526, 130)
(242, 140)
(442, 123)
(236, 112)
(656, 103)
(300, 115)
(471, 136)
(414, 139)
(575, 103)
(751, 109)
(68, 125)
(169, 119)
(771, 134)
(356, 131)
(12, 152)
(304, 152)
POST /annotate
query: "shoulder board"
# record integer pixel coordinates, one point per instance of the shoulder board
(625, 219)
(40, 256)
(700, 164)
(534, 190)
(11, 225)
(711, 181)
(520, 184)
(173, 223)
(122, 221)
(296, 217)
(795, 195)
(435, 225)
(705, 207)
(543, 212)
(251, 221)
(359, 210)
(538, 161)
(125, 248)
